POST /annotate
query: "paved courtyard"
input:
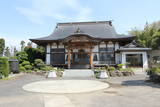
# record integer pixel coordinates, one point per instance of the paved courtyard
(123, 92)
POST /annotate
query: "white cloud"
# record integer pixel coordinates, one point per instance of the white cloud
(62, 10)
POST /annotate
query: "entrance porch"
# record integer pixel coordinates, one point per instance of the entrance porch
(79, 56)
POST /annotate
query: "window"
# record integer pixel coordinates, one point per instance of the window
(110, 49)
(106, 55)
(57, 50)
(58, 56)
(95, 58)
(134, 60)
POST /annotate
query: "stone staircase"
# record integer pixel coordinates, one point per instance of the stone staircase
(80, 66)
(78, 73)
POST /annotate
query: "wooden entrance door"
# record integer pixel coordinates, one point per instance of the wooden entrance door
(81, 57)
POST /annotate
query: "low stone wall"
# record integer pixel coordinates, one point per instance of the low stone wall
(120, 73)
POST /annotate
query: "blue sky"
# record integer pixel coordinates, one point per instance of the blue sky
(24, 19)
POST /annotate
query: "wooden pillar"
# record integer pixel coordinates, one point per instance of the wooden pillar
(69, 59)
(91, 58)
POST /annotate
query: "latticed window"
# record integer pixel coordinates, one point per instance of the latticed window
(95, 58)
(58, 56)
(106, 55)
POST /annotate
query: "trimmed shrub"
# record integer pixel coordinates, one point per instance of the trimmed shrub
(28, 67)
(111, 68)
(29, 71)
(25, 63)
(39, 64)
(43, 69)
(48, 68)
(36, 70)
(22, 69)
(35, 53)
(22, 56)
(4, 67)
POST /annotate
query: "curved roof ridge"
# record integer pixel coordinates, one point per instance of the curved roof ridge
(99, 29)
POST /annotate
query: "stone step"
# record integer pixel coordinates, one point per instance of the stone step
(78, 73)
(86, 66)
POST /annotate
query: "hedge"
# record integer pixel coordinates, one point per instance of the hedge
(4, 67)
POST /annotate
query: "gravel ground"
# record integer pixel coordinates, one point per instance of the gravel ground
(132, 91)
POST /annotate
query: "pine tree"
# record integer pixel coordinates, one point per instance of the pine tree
(2, 46)
(15, 51)
(7, 52)
(22, 45)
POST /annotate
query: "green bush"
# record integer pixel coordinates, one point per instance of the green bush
(39, 64)
(155, 70)
(28, 67)
(36, 69)
(24, 63)
(29, 71)
(111, 68)
(120, 66)
(4, 66)
(125, 69)
(13, 57)
(22, 56)
(60, 69)
(48, 68)
(35, 53)
(22, 69)
(43, 69)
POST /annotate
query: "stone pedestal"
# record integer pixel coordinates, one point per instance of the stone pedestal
(103, 75)
(52, 74)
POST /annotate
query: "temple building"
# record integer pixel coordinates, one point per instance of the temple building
(91, 44)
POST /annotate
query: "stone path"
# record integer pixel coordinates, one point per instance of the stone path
(78, 73)
(57, 101)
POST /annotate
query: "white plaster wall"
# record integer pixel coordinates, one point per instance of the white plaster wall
(145, 60)
(110, 44)
(116, 46)
(48, 48)
(123, 59)
(60, 45)
(54, 45)
(118, 58)
(102, 45)
(75, 50)
(66, 50)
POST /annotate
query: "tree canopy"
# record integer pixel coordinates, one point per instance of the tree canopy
(2, 46)
(35, 53)
(149, 36)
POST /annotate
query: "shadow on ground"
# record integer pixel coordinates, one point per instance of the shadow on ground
(140, 83)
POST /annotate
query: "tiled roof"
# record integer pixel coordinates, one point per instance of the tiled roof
(100, 29)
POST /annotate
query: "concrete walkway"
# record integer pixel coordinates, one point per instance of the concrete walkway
(65, 86)
(69, 73)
